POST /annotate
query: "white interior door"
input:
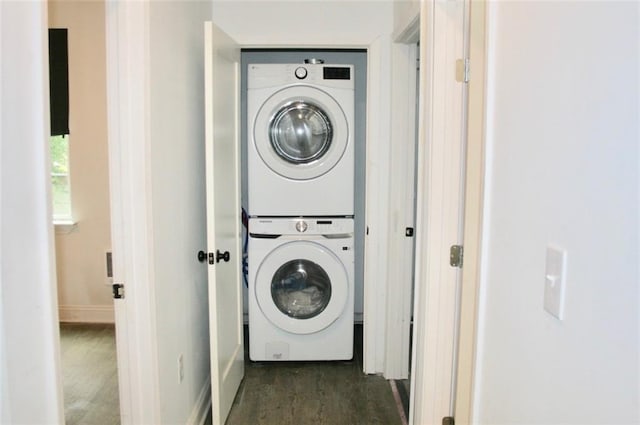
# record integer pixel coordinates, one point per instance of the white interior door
(222, 99)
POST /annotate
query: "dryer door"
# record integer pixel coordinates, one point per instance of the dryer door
(301, 132)
(302, 287)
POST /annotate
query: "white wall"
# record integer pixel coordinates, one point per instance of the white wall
(29, 347)
(176, 102)
(304, 23)
(84, 293)
(562, 137)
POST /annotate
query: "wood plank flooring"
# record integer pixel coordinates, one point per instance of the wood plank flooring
(331, 393)
(89, 373)
(278, 393)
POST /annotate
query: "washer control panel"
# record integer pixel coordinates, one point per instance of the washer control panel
(300, 226)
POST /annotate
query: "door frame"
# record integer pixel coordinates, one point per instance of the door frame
(473, 218)
(128, 97)
(441, 182)
(128, 147)
(401, 247)
(129, 169)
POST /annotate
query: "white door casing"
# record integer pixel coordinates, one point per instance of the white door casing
(474, 193)
(402, 202)
(222, 150)
(439, 215)
(129, 167)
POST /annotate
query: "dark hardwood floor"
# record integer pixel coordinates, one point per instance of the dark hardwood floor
(278, 393)
(331, 393)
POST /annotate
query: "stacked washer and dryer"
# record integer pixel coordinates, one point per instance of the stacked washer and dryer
(300, 165)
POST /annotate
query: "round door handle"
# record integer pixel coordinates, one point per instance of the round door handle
(225, 256)
(202, 256)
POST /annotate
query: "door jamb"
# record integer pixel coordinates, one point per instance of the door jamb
(440, 182)
(474, 198)
(128, 115)
(401, 205)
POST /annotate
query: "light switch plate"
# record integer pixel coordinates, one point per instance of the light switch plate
(555, 281)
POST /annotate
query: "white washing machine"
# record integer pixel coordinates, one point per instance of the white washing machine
(300, 153)
(301, 289)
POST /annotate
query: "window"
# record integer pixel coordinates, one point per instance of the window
(60, 178)
(59, 108)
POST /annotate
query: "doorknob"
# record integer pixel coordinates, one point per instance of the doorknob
(225, 256)
(202, 256)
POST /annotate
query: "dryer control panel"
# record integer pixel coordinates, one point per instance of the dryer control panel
(260, 75)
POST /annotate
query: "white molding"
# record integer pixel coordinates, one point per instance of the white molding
(411, 33)
(401, 212)
(64, 227)
(439, 210)
(203, 405)
(127, 28)
(86, 313)
(474, 196)
(377, 203)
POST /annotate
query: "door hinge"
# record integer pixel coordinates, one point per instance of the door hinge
(118, 291)
(456, 254)
(448, 420)
(463, 69)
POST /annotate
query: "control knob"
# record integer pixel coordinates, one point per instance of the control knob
(302, 226)
(301, 73)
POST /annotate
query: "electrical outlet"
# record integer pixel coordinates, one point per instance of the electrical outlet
(181, 367)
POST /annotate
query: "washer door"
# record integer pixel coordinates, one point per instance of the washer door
(302, 287)
(300, 132)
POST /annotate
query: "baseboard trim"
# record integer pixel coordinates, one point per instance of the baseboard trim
(202, 406)
(86, 313)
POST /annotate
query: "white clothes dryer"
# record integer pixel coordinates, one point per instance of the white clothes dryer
(301, 290)
(300, 153)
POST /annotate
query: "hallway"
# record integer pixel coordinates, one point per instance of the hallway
(331, 393)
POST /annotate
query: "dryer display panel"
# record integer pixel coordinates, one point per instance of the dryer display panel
(301, 289)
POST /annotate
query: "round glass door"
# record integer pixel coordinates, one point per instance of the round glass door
(300, 132)
(301, 289)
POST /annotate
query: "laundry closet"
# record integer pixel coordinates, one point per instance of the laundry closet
(383, 203)
(303, 196)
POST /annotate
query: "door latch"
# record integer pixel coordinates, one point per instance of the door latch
(118, 291)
